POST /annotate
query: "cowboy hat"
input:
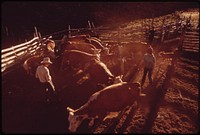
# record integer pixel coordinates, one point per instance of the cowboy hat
(46, 60)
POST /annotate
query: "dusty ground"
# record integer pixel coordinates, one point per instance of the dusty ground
(166, 109)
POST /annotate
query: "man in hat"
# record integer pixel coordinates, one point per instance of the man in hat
(149, 62)
(43, 74)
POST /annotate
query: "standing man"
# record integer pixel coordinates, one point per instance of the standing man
(149, 62)
(43, 74)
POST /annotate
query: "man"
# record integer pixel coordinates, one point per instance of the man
(149, 62)
(43, 74)
(50, 49)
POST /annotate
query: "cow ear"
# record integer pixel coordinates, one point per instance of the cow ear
(70, 109)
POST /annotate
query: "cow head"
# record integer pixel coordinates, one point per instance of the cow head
(74, 120)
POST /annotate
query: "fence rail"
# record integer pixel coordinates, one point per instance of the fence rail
(11, 56)
(15, 54)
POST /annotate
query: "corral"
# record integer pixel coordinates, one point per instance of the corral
(170, 105)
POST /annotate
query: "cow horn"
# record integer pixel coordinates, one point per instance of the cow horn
(70, 109)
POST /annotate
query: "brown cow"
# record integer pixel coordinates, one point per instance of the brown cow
(78, 38)
(81, 46)
(30, 65)
(76, 58)
(99, 73)
(94, 41)
(113, 98)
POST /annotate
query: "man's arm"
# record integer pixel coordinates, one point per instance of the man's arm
(48, 78)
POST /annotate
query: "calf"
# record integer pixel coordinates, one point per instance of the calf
(113, 98)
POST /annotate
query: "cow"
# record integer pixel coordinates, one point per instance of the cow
(76, 58)
(113, 98)
(99, 73)
(94, 41)
(78, 38)
(81, 46)
(30, 65)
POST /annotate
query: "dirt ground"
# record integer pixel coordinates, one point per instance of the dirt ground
(24, 109)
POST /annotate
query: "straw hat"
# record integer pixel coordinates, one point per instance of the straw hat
(46, 60)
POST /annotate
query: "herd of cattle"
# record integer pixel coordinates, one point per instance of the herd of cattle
(105, 66)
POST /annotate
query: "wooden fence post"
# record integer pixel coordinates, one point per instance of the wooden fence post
(36, 32)
(69, 31)
(118, 38)
(162, 30)
(39, 35)
(94, 28)
(122, 65)
(89, 25)
(34, 35)
(14, 52)
(152, 21)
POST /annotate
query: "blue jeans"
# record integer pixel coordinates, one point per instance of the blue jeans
(149, 72)
(50, 94)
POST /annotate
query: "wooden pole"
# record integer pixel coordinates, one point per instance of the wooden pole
(162, 30)
(95, 32)
(89, 25)
(36, 32)
(69, 33)
(39, 34)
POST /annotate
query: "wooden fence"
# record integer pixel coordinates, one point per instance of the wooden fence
(15, 54)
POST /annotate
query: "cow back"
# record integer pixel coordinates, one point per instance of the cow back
(78, 38)
(81, 46)
(94, 41)
(76, 58)
(110, 99)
